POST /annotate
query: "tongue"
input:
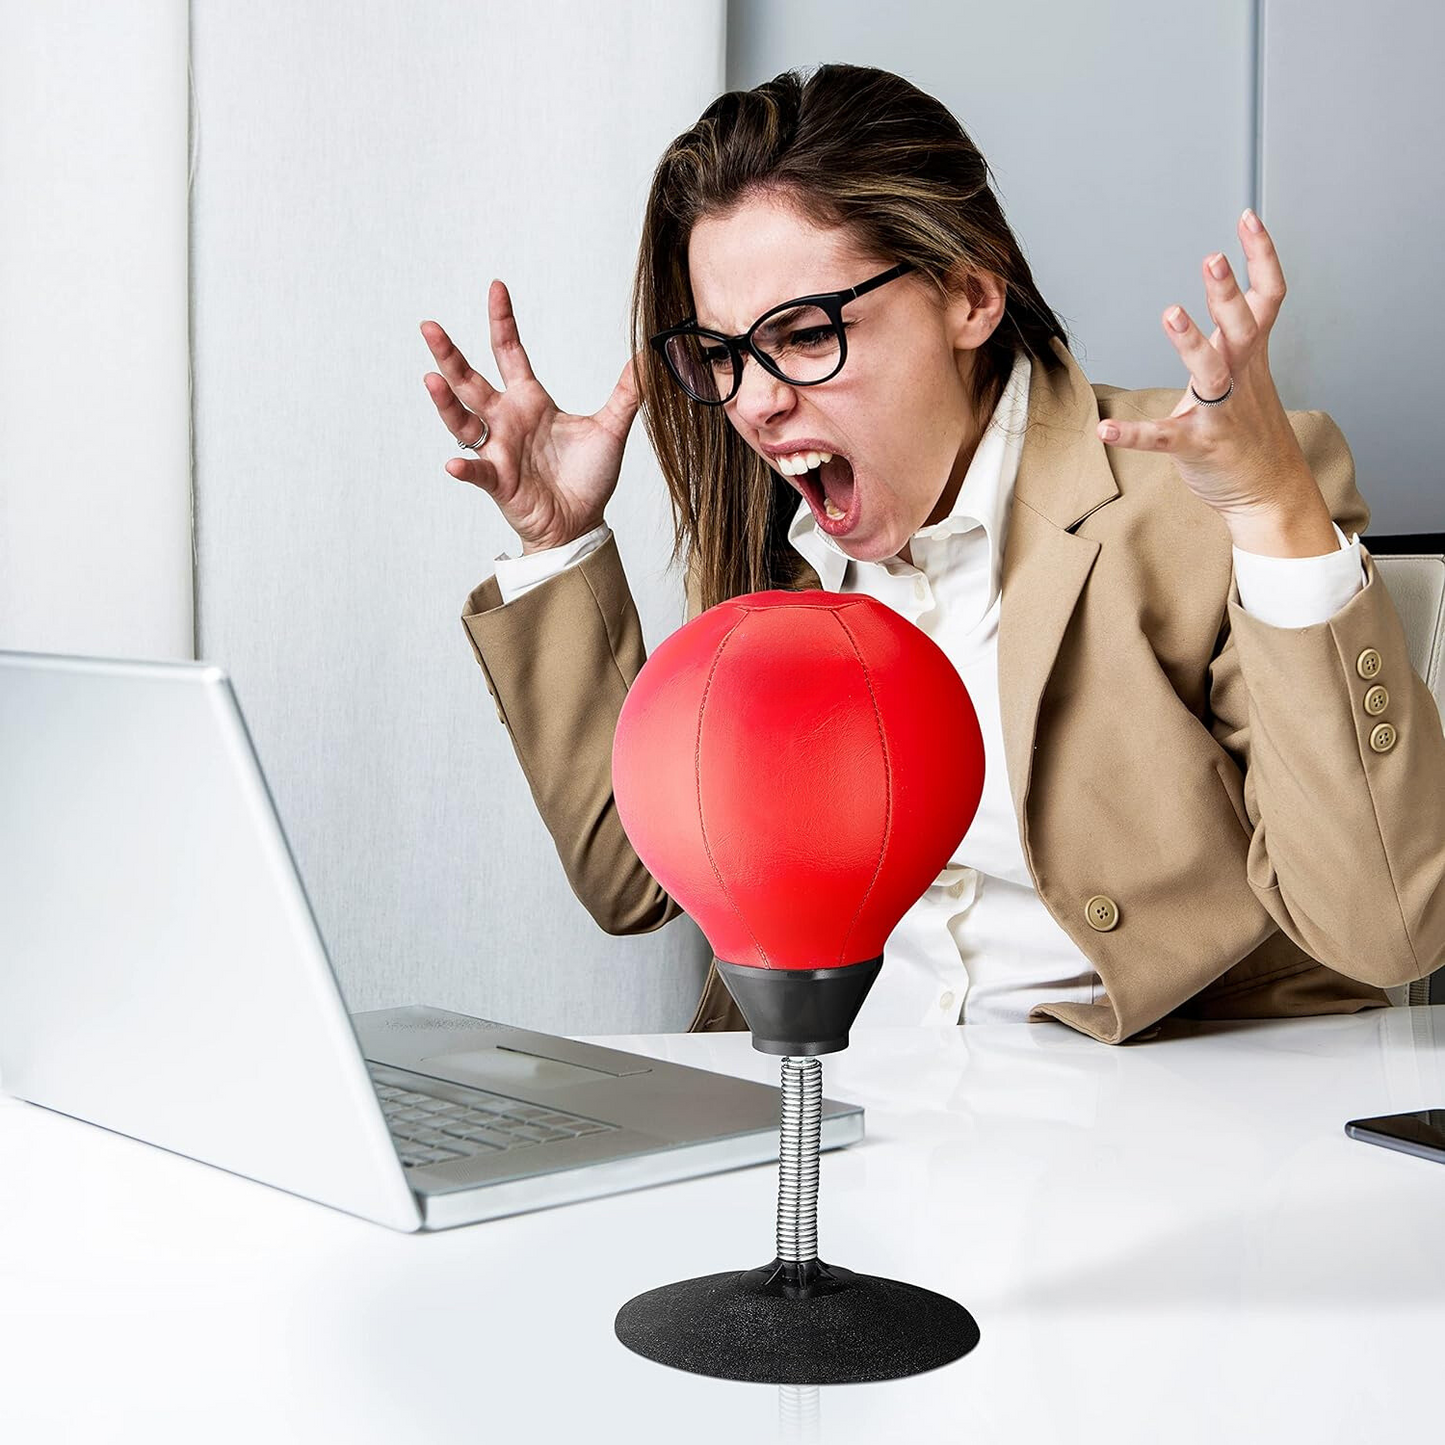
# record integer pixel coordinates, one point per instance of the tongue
(837, 478)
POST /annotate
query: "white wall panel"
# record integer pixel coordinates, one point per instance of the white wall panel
(361, 167)
(95, 448)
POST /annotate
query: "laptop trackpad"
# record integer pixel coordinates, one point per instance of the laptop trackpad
(501, 1067)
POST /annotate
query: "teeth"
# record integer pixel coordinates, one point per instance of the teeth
(800, 462)
(830, 507)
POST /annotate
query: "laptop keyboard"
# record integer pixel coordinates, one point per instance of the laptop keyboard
(430, 1129)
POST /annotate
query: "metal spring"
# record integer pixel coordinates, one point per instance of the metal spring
(800, 1413)
(798, 1159)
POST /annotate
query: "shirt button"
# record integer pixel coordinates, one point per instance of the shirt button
(1368, 663)
(1102, 912)
(946, 1001)
(1376, 700)
(1382, 739)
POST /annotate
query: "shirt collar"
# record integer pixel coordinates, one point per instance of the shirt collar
(983, 499)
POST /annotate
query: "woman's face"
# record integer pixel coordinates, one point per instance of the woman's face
(898, 411)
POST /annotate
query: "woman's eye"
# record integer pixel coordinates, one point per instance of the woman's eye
(813, 336)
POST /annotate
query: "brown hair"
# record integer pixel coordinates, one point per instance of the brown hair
(853, 147)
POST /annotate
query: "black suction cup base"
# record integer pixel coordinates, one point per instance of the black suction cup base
(762, 1325)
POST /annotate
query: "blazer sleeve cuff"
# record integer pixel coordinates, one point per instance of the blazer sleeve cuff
(518, 575)
(1299, 591)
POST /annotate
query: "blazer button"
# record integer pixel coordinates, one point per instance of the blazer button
(1102, 912)
(1376, 700)
(1382, 739)
(1368, 663)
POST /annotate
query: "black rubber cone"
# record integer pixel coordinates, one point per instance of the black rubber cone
(786, 1324)
(800, 1011)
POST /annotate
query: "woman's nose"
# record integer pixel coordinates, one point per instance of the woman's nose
(760, 394)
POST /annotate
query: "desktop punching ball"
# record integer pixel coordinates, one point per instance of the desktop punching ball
(795, 769)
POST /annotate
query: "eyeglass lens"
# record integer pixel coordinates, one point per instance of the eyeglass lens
(803, 344)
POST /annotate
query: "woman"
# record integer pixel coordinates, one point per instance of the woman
(1213, 787)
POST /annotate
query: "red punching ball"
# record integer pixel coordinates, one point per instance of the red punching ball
(795, 768)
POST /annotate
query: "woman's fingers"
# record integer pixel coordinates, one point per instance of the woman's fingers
(476, 471)
(1227, 305)
(465, 427)
(621, 407)
(1266, 277)
(461, 423)
(456, 368)
(1208, 368)
(506, 342)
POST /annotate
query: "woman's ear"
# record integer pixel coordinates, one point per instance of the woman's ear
(975, 307)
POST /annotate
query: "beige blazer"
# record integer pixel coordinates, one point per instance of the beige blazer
(1205, 805)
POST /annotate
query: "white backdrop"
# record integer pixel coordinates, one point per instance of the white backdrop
(95, 446)
(358, 167)
(361, 167)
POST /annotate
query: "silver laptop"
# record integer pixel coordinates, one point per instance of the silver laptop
(162, 975)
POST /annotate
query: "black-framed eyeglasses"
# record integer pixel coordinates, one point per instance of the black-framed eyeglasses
(803, 342)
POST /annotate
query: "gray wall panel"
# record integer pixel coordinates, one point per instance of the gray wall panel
(1353, 126)
(1127, 136)
(1120, 135)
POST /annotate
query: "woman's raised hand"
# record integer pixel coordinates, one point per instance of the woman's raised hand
(550, 472)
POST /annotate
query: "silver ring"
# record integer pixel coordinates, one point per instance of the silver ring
(1216, 400)
(481, 441)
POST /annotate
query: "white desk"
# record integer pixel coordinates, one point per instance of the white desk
(1164, 1242)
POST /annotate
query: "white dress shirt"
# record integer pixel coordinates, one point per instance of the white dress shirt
(980, 946)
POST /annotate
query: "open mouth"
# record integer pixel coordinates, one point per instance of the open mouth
(832, 494)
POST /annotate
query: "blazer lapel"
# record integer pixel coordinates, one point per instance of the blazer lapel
(1063, 475)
